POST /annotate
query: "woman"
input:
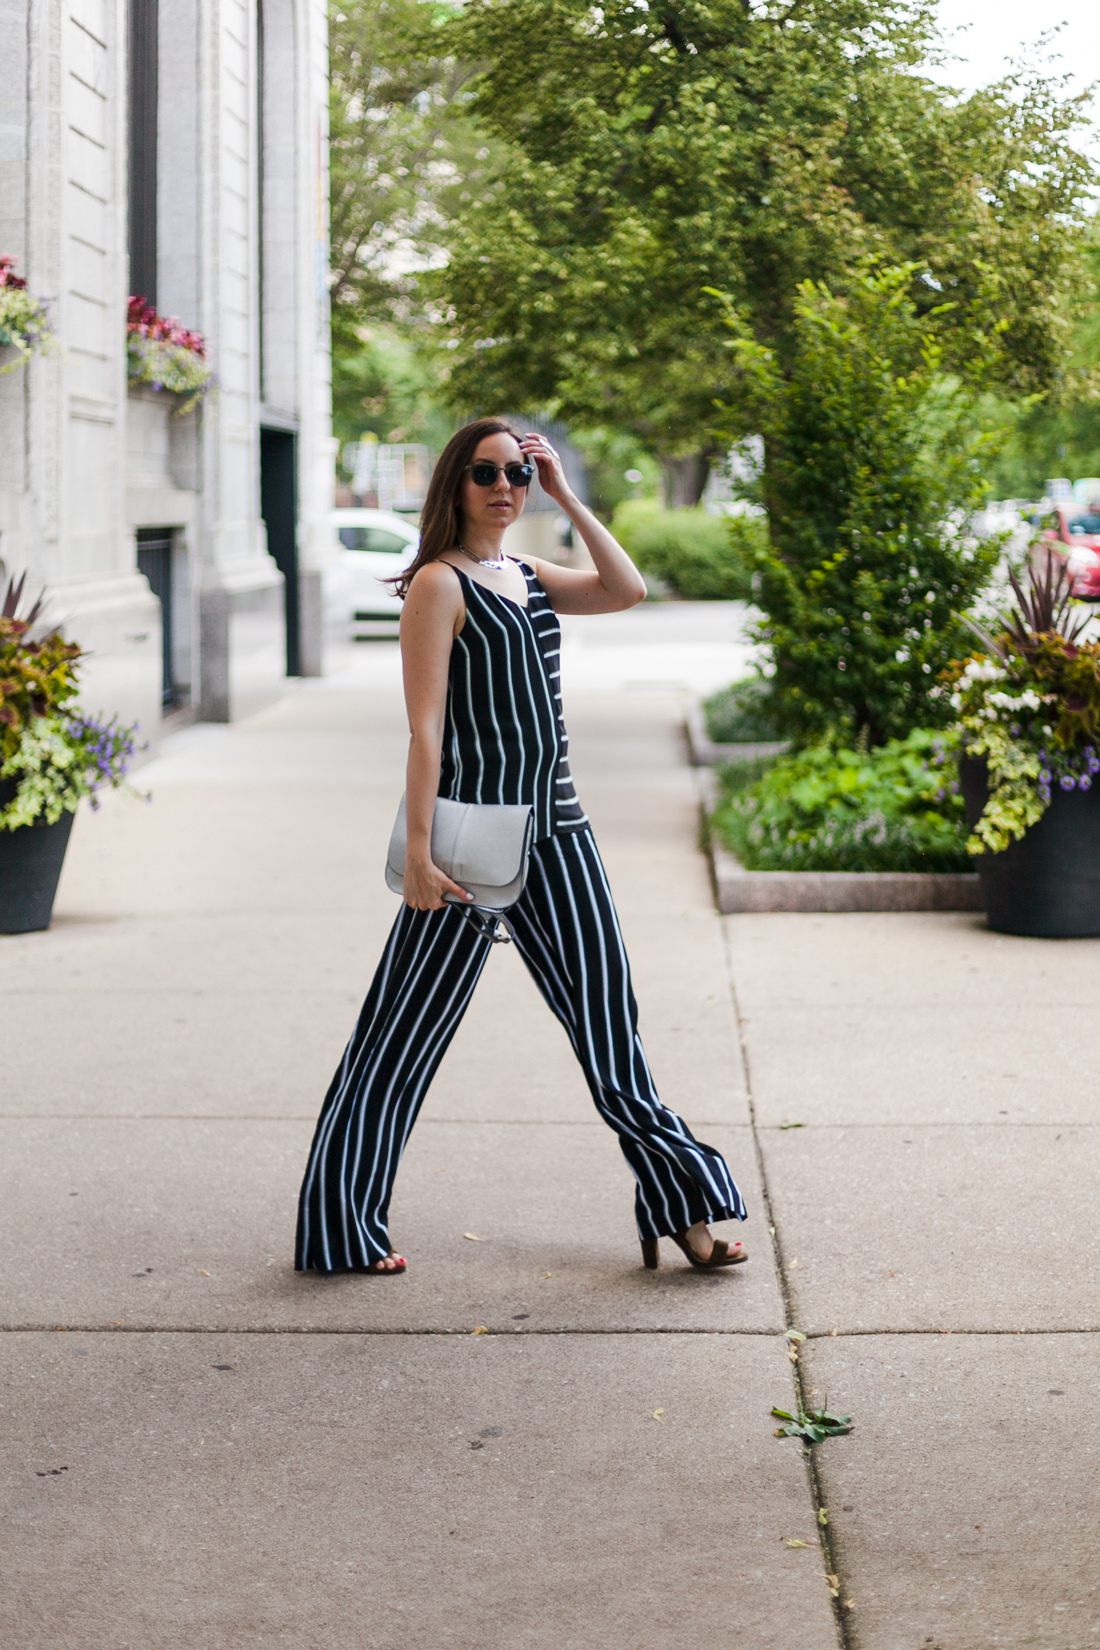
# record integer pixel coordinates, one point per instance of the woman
(480, 645)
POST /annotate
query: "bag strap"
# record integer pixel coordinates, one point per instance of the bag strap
(486, 923)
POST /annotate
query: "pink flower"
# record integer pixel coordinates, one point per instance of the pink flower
(8, 277)
(142, 319)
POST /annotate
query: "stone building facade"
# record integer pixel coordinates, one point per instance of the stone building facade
(175, 149)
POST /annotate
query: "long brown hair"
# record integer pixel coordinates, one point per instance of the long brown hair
(441, 518)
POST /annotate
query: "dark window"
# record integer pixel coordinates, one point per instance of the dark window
(154, 557)
(143, 149)
(279, 508)
(1084, 523)
(374, 538)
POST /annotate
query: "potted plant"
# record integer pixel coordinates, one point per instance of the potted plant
(51, 755)
(1028, 727)
(162, 353)
(24, 324)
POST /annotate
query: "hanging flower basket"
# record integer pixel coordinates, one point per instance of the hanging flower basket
(162, 353)
(24, 322)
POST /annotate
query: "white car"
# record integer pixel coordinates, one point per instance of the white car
(375, 545)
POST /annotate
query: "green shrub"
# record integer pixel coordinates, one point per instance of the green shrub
(894, 808)
(701, 557)
(873, 453)
(742, 713)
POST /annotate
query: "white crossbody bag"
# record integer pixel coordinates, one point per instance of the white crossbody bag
(484, 847)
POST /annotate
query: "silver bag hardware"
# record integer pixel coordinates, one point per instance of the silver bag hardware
(483, 846)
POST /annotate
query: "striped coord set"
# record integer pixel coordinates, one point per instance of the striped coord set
(504, 741)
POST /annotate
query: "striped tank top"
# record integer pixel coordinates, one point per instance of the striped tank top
(504, 738)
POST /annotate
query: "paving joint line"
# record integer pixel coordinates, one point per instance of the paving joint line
(531, 1330)
(818, 1505)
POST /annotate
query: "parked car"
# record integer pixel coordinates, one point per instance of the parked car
(1073, 533)
(376, 545)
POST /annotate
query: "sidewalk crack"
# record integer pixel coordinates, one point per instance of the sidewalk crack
(813, 1477)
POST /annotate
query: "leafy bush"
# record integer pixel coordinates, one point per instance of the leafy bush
(703, 558)
(894, 808)
(742, 713)
(872, 453)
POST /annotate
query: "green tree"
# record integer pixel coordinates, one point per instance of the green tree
(1057, 434)
(652, 152)
(401, 167)
(383, 384)
(876, 454)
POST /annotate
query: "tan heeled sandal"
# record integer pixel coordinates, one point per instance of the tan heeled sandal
(723, 1254)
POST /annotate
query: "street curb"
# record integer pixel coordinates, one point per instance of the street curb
(704, 753)
(737, 890)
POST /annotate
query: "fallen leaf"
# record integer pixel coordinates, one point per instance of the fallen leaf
(833, 1585)
(849, 1603)
(474, 1239)
(791, 1542)
(548, 1274)
(480, 1330)
(792, 1266)
(792, 1125)
(657, 1414)
(823, 1515)
(117, 1323)
(203, 1273)
(794, 1335)
(792, 1353)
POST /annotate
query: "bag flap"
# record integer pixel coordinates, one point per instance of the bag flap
(486, 843)
(489, 844)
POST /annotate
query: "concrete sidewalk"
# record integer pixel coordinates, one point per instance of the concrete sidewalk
(528, 1441)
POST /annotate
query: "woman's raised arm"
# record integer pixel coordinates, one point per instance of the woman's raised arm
(616, 583)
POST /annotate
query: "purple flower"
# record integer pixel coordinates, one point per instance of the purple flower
(1067, 782)
(1044, 776)
(1084, 783)
(1044, 794)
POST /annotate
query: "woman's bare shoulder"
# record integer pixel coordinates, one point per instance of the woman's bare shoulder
(436, 579)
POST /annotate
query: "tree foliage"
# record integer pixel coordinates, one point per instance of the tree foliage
(874, 455)
(652, 152)
(1058, 434)
(401, 167)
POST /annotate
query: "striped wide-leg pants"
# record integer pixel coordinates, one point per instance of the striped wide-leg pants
(567, 933)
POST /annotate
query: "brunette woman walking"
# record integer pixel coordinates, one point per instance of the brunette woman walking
(480, 649)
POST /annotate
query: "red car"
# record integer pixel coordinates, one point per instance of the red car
(1073, 533)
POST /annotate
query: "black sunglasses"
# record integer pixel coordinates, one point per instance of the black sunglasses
(484, 474)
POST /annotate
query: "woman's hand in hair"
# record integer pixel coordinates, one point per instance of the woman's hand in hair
(551, 475)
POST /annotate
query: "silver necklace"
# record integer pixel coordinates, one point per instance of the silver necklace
(492, 566)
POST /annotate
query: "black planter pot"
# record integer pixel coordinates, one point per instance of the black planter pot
(30, 866)
(1046, 885)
